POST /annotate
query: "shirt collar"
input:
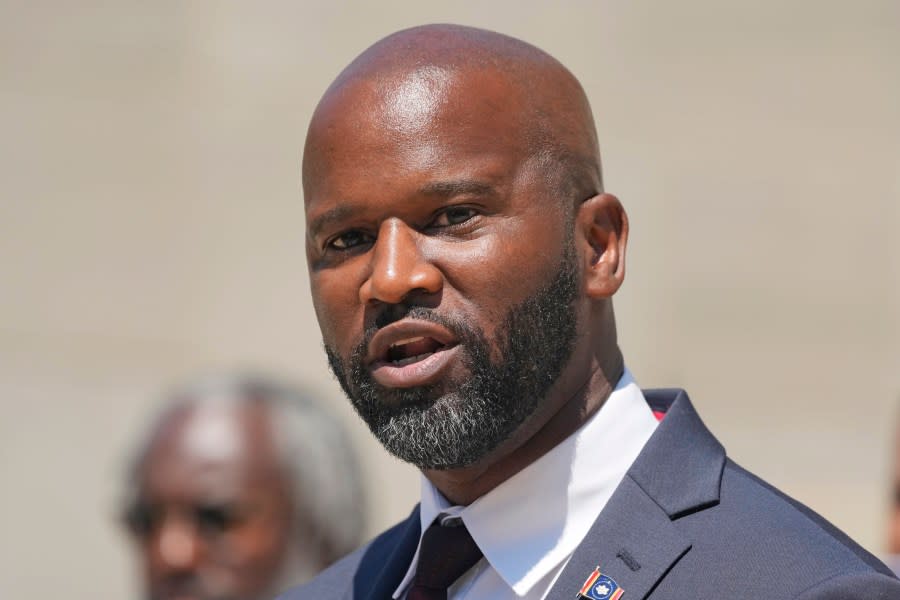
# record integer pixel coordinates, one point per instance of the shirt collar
(524, 535)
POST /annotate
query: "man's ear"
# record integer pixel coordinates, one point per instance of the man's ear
(601, 230)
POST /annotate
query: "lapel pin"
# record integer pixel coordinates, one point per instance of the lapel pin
(600, 587)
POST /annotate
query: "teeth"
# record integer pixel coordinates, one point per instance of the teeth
(407, 341)
(410, 359)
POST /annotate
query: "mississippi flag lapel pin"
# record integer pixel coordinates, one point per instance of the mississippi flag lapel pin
(600, 587)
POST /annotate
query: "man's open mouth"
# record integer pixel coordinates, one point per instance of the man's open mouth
(408, 351)
(411, 353)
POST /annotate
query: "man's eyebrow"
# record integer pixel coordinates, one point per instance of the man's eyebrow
(341, 211)
(457, 187)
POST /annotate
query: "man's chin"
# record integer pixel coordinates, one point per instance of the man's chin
(180, 595)
(376, 399)
(193, 596)
(192, 589)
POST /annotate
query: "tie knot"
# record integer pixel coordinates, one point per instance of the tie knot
(445, 553)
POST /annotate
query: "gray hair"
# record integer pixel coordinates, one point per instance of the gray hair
(318, 458)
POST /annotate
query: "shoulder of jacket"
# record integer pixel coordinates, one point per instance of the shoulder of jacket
(866, 585)
(338, 577)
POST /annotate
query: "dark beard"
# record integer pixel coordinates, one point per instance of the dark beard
(435, 430)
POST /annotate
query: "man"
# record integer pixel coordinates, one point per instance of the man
(893, 541)
(243, 488)
(463, 257)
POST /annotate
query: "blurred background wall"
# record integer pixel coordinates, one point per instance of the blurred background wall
(151, 226)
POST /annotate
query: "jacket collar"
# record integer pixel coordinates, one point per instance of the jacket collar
(681, 465)
(385, 561)
(635, 540)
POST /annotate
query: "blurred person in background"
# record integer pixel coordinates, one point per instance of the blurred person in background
(242, 487)
(893, 546)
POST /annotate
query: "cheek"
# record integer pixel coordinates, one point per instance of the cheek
(258, 544)
(257, 553)
(254, 547)
(335, 300)
(895, 529)
(491, 275)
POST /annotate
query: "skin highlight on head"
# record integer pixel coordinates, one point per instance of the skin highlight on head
(453, 170)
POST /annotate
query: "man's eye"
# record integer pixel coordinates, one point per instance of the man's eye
(142, 519)
(215, 519)
(453, 216)
(348, 240)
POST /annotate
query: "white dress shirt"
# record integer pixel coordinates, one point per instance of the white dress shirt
(529, 526)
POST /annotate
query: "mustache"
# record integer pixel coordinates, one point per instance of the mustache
(462, 331)
(397, 312)
(179, 585)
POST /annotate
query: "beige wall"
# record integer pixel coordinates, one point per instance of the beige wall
(151, 225)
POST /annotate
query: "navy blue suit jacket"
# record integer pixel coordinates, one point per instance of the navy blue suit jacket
(686, 523)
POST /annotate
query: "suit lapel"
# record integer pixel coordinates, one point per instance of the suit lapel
(384, 564)
(635, 540)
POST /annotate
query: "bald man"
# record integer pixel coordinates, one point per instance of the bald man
(463, 256)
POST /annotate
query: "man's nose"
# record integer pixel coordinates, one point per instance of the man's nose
(398, 267)
(177, 546)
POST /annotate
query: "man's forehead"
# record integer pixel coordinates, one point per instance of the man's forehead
(211, 450)
(212, 433)
(413, 99)
(415, 122)
(218, 434)
(412, 102)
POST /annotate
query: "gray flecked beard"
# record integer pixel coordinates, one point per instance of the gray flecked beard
(435, 429)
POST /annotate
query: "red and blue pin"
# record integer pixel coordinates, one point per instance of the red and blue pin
(600, 587)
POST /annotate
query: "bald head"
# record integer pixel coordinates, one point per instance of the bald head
(404, 85)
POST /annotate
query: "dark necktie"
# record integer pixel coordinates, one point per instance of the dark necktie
(446, 552)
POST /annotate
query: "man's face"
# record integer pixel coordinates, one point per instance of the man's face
(443, 268)
(212, 517)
